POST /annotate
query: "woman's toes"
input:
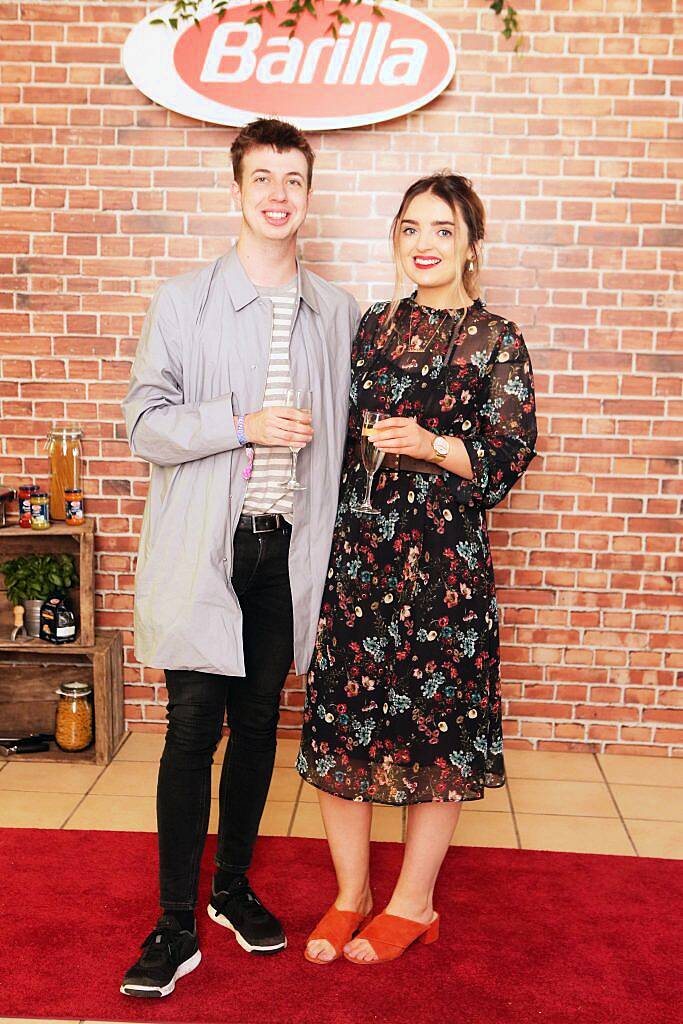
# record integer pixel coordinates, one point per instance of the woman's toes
(360, 949)
(320, 949)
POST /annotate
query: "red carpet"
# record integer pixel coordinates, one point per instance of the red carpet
(526, 937)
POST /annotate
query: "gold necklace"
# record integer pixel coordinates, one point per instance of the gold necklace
(416, 345)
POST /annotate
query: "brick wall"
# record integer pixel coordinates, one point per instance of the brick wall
(576, 149)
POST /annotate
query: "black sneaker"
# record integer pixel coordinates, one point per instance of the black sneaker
(240, 910)
(168, 953)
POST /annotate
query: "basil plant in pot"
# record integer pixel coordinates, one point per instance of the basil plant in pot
(31, 579)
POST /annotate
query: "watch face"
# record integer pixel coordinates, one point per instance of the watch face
(440, 446)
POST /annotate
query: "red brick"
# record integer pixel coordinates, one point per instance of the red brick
(105, 194)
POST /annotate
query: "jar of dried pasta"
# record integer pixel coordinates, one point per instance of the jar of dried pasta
(65, 455)
(74, 719)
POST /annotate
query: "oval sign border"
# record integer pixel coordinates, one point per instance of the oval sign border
(148, 61)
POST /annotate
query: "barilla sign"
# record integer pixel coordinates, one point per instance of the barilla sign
(229, 72)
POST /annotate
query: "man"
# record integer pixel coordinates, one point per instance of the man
(231, 562)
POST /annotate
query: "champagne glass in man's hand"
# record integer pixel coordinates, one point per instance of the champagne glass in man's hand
(302, 401)
(278, 426)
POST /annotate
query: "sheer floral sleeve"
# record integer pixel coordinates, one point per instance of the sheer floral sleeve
(369, 330)
(503, 446)
(364, 345)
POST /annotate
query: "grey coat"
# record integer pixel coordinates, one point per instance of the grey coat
(202, 358)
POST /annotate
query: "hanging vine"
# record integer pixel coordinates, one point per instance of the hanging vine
(187, 10)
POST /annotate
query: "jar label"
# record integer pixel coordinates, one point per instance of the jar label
(74, 508)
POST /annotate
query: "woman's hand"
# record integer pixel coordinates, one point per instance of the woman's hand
(402, 436)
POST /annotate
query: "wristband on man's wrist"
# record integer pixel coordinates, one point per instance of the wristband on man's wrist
(241, 436)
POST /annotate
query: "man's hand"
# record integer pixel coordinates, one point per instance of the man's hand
(402, 436)
(279, 426)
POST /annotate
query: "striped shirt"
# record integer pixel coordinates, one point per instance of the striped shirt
(272, 466)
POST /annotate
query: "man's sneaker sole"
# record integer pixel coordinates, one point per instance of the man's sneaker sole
(222, 920)
(159, 991)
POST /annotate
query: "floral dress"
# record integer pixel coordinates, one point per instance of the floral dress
(403, 701)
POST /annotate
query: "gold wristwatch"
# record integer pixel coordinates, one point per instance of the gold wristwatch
(441, 448)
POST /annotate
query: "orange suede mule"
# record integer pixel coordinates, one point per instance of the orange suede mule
(390, 936)
(336, 927)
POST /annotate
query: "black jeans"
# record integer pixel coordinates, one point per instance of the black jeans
(197, 705)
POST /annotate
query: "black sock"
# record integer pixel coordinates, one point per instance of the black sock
(185, 918)
(223, 880)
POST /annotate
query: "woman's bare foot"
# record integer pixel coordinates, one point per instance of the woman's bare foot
(320, 949)
(360, 949)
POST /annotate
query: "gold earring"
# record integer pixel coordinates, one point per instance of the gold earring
(471, 266)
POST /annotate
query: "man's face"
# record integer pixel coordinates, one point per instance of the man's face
(273, 194)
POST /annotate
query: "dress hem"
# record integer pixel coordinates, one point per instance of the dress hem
(488, 784)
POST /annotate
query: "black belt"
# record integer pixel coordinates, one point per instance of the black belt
(267, 523)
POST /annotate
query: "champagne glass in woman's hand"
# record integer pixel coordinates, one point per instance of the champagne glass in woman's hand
(372, 458)
(303, 401)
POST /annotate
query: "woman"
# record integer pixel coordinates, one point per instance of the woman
(403, 703)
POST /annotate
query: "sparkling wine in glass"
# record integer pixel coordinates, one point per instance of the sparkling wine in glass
(371, 457)
(303, 401)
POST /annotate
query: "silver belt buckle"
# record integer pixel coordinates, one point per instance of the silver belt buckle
(268, 529)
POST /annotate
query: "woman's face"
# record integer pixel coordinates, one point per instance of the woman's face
(432, 242)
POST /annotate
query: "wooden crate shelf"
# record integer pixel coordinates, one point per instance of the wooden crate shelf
(31, 671)
(34, 645)
(29, 677)
(61, 538)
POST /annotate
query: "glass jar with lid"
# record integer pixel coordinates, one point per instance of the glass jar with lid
(65, 455)
(74, 717)
(40, 511)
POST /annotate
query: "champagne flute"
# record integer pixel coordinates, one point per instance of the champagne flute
(303, 401)
(372, 458)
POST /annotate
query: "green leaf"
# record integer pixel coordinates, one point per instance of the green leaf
(34, 577)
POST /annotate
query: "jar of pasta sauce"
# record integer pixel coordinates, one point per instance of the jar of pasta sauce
(40, 511)
(24, 493)
(73, 502)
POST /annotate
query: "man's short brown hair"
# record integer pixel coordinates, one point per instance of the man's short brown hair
(270, 131)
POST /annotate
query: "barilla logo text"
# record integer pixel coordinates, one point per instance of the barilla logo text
(229, 72)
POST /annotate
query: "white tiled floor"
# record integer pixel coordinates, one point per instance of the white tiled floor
(581, 803)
